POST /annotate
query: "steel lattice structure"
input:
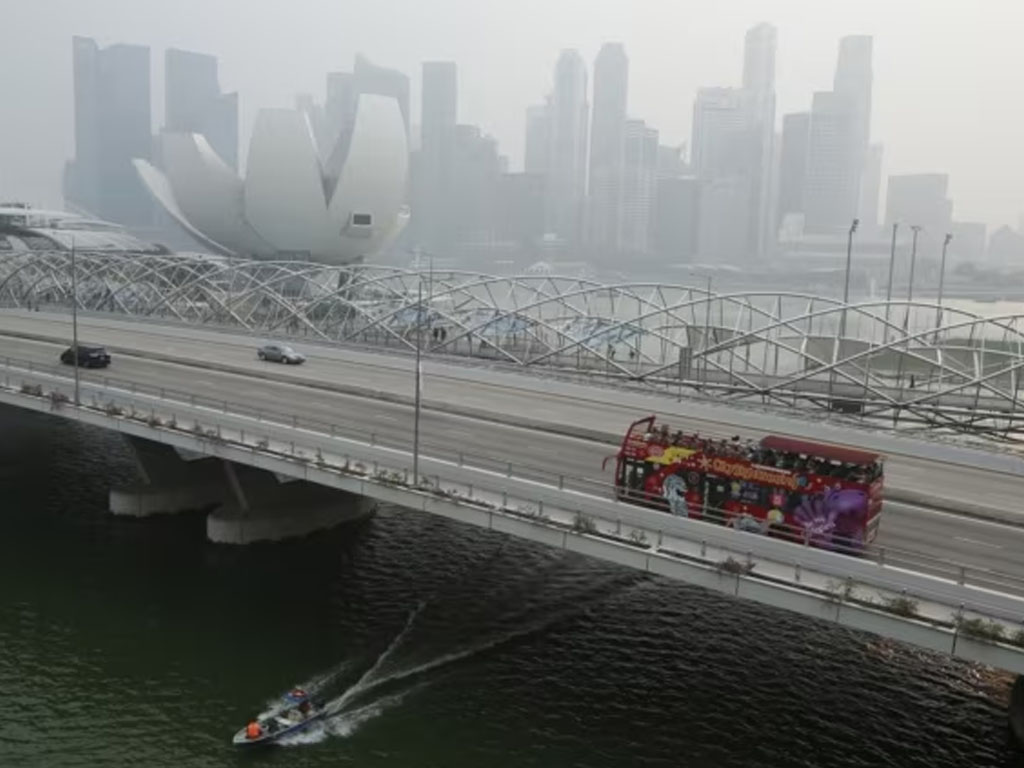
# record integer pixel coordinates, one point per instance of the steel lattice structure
(915, 362)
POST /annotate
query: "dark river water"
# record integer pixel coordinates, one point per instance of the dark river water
(137, 643)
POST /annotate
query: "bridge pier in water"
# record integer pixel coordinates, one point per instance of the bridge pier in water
(1017, 711)
(261, 507)
(171, 483)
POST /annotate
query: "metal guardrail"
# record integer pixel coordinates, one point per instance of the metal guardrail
(114, 388)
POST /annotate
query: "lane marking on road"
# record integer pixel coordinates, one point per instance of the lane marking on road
(1009, 526)
(988, 544)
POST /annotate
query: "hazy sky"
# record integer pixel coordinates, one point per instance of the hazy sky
(949, 74)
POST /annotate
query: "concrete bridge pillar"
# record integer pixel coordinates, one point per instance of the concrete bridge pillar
(1017, 710)
(260, 507)
(170, 483)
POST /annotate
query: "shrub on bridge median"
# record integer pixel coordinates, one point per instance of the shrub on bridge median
(982, 629)
(734, 566)
(583, 524)
(1018, 638)
(58, 399)
(32, 389)
(901, 606)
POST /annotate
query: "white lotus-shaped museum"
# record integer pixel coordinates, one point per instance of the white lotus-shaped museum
(293, 203)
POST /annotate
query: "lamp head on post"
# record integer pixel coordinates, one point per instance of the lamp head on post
(854, 225)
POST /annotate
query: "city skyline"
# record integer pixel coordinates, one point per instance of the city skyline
(981, 168)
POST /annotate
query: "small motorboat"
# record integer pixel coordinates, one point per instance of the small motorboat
(295, 713)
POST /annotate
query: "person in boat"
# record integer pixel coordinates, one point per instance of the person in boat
(305, 708)
(253, 730)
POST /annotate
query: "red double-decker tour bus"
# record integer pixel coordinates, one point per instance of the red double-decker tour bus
(825, 495)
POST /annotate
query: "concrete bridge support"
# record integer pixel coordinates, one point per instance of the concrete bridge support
(170, 483)
(262, 508)
(1017, 710)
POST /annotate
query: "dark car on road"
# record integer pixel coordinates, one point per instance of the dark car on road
(88, 356)
(280, 353)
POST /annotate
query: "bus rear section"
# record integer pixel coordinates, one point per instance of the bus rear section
(823, 495)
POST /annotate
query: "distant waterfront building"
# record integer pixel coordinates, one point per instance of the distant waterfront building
(675, 218)
(567, 148)
(607, 149)
(638, 188)
(520, 208)
(920, 199)
(1006, 246)
(475, 171)
(838, 141)
(112, 125)
(968, 240)
(193, 102)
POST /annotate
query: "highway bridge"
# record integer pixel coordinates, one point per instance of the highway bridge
(522, 454)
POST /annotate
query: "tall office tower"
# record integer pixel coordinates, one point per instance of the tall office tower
(838, 144)
(194, 103)
(567, 148)
(640, 172)
(759, 83)
(537, 132)
(432, 209)
(112, 126)
(870, 189)
(726, 146)
(793, 166)
(607, 147)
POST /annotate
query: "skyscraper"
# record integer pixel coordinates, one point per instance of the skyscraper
(112, 126)
(638, 187)
(432, 209)
(838, 142)
(733, 152)
(607, 147)
(194, 103)
(726, 147)
(567, 142)
(537, 131)
(793, 165)
(870, 188)
(759, 83)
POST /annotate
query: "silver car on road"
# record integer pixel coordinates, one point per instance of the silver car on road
(280, 353)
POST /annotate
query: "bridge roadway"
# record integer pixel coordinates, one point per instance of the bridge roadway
(223, 366)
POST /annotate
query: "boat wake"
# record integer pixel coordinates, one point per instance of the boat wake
(377, 691)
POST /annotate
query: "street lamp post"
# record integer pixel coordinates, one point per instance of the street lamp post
(910, 284)
(419, 386)
(942, 280)
(888, 290)
(707, 331)
(846, 283)
(74, 317)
